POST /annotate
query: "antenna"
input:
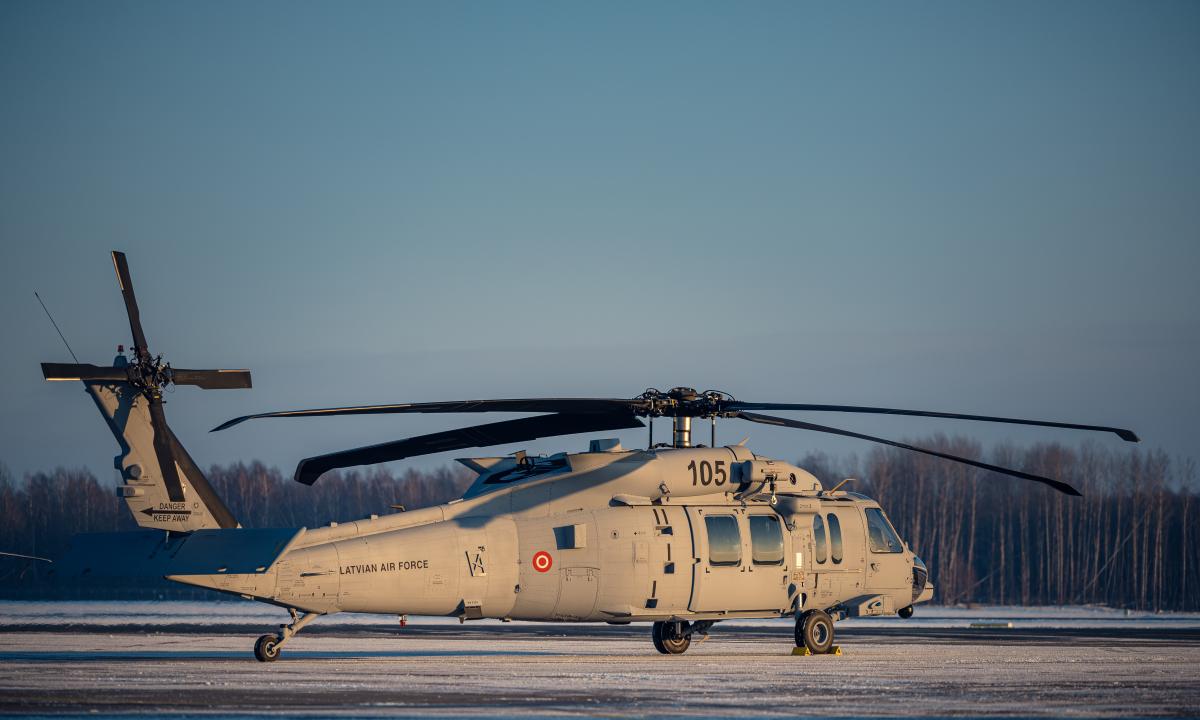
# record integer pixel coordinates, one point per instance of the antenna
(60, 334)
(26, 557)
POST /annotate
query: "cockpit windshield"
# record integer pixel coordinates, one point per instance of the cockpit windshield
(883, 538)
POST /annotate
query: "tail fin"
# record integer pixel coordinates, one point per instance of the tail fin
(127, 411)
(162, 485)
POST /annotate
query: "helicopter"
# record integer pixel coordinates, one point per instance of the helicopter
(678, 535)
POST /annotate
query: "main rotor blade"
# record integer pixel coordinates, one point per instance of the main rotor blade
(163, 450)
(1127, 435)
(499, 433)
(571, 406)
(131, 307)
(212, 379)
(799, 424)
(81, 371)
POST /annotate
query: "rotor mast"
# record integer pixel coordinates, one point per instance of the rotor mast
(681, 435)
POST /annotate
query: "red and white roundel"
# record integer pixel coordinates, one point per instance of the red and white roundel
(542, 561)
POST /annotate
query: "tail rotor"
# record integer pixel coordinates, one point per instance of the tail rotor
(130, 392)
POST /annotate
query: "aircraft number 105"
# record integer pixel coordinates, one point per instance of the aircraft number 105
(708, 473)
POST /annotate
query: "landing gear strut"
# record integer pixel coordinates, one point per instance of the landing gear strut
(814, 630)
(266, 648)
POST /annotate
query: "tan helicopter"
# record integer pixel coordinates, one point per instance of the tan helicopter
(679, 535)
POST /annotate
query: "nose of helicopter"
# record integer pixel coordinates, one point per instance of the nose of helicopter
(921, 587)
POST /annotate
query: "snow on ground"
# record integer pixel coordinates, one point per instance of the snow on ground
(15, 614)
(193, 659)
(515, 675)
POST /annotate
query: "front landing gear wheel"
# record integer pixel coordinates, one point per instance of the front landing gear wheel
(267, 648)
(814, 630)
(905, 612)
(670, 638)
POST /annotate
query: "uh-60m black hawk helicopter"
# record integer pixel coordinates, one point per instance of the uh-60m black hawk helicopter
(679, 535)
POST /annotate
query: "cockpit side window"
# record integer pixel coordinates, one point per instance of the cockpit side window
(882, 538)
(822, 549)
(835, 538)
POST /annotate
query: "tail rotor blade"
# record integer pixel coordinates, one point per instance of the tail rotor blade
(212, 379)
(163, 450)
(81, 371)
(131, 307)
(801, 425)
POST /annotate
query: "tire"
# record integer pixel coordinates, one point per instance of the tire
(266, 649)
(656, 636)
(666, 639)
(800, 620)
(905, 612)
(814, 630)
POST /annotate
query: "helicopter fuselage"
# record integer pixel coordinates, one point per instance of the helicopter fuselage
(614, 536)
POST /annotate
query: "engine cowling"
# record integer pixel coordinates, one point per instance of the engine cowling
(759, 474)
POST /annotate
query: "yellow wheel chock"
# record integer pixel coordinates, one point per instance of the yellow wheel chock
(804, 651)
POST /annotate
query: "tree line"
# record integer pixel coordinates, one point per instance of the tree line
(40, 513)
(1129, 542)
(987, 538)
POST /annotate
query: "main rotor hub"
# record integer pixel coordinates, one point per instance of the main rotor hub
(684, 402)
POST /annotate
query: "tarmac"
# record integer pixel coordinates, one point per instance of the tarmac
(488, 669)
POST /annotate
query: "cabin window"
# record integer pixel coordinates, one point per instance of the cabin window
(724, 540)
(766, 540)
(822, 550)
(835, 538)
(883, 538)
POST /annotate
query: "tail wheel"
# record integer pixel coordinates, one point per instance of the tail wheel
(266, 649)
(814, 630)
(670, 638)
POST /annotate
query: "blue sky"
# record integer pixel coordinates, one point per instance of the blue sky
(976, 207)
